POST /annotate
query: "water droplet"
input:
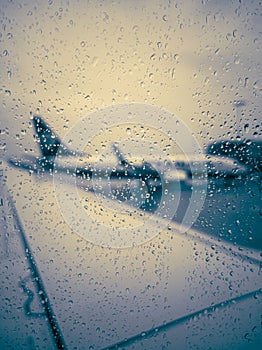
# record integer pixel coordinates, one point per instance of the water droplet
(153, 56)
(237, 60)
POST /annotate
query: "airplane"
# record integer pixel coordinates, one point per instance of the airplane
(246, 151)
(57, 157)
(166, 301)
(59, 291)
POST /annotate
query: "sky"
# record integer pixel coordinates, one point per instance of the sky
(63, 60)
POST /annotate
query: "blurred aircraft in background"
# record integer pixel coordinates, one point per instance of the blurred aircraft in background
(54, 155)
(246, 152)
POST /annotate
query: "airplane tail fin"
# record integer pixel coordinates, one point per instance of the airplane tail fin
(49, 142)
(122, 160)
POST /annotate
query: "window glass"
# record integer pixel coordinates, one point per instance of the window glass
(130, 174)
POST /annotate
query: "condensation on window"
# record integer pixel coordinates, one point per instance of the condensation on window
(130, 174)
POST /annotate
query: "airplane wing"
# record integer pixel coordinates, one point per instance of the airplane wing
(27, 319)
(176, 290)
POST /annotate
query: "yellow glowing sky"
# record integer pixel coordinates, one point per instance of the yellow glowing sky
(65, 59)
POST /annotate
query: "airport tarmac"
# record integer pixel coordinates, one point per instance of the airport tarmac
(232, 211)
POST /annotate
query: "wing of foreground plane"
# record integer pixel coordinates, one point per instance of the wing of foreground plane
(177, 290)
(27, 318)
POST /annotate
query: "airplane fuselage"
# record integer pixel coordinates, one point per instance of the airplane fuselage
(171, 169)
